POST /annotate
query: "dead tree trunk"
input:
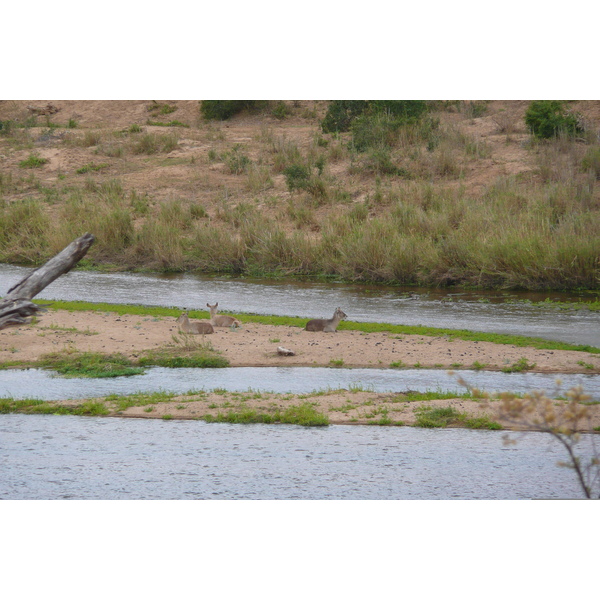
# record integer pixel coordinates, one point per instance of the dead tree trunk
(16, 306)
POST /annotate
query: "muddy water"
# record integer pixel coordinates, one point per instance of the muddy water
(489, 312)
(44, 385)
(66, 457)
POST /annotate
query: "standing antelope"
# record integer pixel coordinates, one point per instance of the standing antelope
(221, 320)
(187, 327)
(327, 325)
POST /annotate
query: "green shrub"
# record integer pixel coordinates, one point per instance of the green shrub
(237, 162)
(374, 131)
(300, 177)
(341, 113)
(281, 110)
(548, 118)
(297, 177)
(224, 109)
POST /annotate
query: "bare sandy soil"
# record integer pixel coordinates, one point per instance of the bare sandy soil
(256, 345)
(188, 174)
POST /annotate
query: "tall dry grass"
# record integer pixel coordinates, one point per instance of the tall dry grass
(414, 223)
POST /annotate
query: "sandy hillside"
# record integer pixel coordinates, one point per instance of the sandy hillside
(188, 173)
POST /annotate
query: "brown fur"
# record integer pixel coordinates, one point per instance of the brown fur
(221, 320)
(327, 325)
(187, 327)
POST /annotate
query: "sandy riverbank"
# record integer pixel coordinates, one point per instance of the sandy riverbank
(256, 345)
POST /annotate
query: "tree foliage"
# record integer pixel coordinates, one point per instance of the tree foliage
(549, 118)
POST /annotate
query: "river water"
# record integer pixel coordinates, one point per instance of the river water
(488, 312)
(67, 457)
(45, 385)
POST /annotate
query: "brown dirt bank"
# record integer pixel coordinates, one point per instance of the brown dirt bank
(256, 344)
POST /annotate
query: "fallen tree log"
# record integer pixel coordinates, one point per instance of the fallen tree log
(16, 306)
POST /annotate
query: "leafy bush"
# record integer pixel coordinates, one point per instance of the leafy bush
(342, 113)
(300, 177)
(224, 109)
(548, 118)
(281, 110)
(297, 177)
(375, 131)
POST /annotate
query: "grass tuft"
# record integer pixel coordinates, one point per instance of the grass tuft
(69, 363)
(302, 414)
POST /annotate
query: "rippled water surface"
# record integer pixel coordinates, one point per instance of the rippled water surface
(455, 310)
(62, 457)
(66, 457)
(45, 385)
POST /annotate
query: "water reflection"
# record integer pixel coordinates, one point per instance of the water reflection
(436, 308)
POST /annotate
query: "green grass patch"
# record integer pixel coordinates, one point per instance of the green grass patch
(91, 167)
(481, 423)
(433, 417)
(33, 406)
(433, 395)
(303, 414)
(89, 364)
(179, 358)
(430, 417)
(121, 403)
(519, 366)
(33, 161)
(169, 124)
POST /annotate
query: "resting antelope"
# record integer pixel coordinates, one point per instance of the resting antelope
(221, 320)
(187, 327)
(327, 325)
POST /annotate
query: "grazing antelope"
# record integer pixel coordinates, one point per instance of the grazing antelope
(327, 325)
(187, 327)
(221, 320)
